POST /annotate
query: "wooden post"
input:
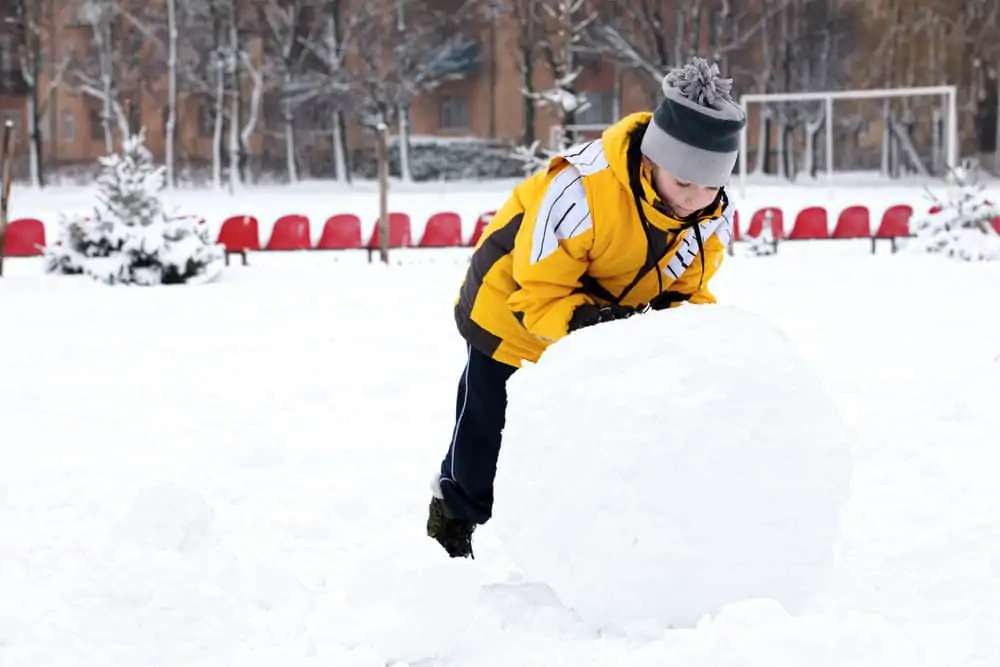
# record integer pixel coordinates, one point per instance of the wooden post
(6, 174)
(383, 191)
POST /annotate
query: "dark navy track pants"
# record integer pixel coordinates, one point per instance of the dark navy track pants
(470, 466)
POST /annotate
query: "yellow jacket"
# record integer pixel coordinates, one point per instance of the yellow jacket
(572, 234)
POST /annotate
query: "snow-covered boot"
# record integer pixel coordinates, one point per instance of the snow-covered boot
(454, 534)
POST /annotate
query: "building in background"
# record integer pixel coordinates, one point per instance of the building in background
(479, 85)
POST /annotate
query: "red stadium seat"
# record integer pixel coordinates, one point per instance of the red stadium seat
(290, 232)
(810, 224)
(443, 230)
(399, 232)
(854, 222)
(895, 225)
(24, 238)
(341, 232)
(481, 224)
(238, 234)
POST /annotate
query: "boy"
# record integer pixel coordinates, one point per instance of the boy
(632, 221)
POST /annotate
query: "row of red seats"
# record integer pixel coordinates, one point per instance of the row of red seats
(343, 232)
(26, 237)
(854, 222)
(241, 233)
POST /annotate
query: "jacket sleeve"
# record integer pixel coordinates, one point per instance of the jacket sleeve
(714, 250)
(551, 253)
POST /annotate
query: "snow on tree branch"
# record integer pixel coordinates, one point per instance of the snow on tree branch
(960, 225)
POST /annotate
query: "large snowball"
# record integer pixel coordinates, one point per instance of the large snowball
(658, 468)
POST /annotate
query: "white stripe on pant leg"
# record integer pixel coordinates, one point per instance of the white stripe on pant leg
(461, 413)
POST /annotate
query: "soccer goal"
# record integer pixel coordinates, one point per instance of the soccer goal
(897, 143)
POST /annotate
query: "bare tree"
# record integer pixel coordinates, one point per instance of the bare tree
(30, 27)
(214, 60)
(803, 45)
(651, 36)
(564, 24)
(398, 61)
(325, 81)
(526, 16)
(94, 73)
(287, 31)
(159, 35)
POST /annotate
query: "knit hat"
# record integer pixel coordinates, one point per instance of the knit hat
(695, 131)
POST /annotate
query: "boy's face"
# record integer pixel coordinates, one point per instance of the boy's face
(683, 197)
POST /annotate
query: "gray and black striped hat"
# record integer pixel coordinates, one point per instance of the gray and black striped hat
(695, 130)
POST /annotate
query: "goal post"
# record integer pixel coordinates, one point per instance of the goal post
(829, 97)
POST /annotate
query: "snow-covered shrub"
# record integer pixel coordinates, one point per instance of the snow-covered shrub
(961, 225)
(763, 244)
(79, 241)
(129, 238)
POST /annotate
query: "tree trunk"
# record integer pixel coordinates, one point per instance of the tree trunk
(293, 172)
(528, 73)
(171, 126)
(382, 153)
(109, 142)
(35, 139)
(886, 168)
(234, 101)
(782, 150)
(339, 149)
(813, 126)
(403, 112)
(6, 168)
(220, 97)
(763, 142)
(996, 140)
(234, 139)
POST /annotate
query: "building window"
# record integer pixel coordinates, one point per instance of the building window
(67, 126)
(454, 113)
(601, 109)
(134, 116)
(96, 124)
(10, 67)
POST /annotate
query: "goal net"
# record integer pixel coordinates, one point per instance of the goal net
(891, 132)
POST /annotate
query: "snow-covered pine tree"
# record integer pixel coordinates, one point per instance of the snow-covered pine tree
(960, 227)
(130, 239)
(534, 157)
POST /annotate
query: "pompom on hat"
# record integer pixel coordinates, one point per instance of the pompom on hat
(695, 131)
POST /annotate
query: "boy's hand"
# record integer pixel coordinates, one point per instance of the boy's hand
(588, 315)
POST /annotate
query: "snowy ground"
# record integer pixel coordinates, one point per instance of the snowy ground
(237, 474)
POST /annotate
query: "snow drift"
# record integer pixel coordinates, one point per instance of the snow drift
(659, 468)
